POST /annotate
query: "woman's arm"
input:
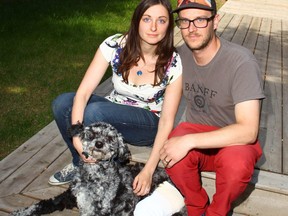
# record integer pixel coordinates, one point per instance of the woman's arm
(171, 102)
(91, 80)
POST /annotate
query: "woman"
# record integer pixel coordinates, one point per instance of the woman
(145, 68)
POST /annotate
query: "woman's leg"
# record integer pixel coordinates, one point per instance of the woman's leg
(138, 126)
(62, 107)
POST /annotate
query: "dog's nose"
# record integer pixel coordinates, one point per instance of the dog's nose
(98, 144)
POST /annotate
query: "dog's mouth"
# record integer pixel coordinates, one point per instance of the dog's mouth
(99, 155)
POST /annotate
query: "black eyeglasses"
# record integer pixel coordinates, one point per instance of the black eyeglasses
(198, 22)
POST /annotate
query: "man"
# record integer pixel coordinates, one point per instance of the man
(222, 87)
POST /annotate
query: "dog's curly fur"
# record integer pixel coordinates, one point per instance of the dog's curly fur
(103, 188)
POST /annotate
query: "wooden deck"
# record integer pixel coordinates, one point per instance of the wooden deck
(261, 26)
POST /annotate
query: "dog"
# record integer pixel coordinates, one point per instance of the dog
(100, 189)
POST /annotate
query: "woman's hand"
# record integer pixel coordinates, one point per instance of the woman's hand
(142, 183)
(87, 158)
(83, 155)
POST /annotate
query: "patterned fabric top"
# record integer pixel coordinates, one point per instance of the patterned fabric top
(144, 96)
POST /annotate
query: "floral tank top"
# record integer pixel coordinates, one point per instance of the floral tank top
(143, 96)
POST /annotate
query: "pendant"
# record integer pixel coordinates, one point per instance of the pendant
(139, 73)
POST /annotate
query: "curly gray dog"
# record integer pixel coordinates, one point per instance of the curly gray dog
(103, 188)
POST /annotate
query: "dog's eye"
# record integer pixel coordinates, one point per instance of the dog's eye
(99, 144)
(89, 135)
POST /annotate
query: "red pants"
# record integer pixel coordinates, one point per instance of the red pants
(233, 166)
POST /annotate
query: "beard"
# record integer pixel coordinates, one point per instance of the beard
(202, 45)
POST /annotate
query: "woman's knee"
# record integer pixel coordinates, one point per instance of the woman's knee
(62, 102)
(95, 112)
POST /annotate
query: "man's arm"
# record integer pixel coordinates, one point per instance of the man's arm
(243, 132)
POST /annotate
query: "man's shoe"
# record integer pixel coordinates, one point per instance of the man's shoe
(64, 176)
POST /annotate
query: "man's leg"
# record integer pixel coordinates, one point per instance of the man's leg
(234, 167)
(186, 173)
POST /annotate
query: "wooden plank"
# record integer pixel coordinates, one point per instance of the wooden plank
(31, 169)
(2, 213)
(242, 30)
(41, 182)
(277, 9)
(230, 31)
(139, 154)
(263, 180)
(104, 88)
(13, 202)
(27, 150)
(268, 181)
(224, 23)
(180, 116)
(251, 38)
(260, 202)
(272, 145)
(285, 95)
(261, 53)
(177, 37)
(262, 45)
(46, 193)
(65, 212)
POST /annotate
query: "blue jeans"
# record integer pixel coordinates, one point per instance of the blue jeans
(138, 126)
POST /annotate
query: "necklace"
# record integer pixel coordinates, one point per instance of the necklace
(140, 71)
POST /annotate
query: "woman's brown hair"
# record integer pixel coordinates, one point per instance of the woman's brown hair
(131, 52)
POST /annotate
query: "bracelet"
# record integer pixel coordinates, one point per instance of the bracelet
(85, 154)
(76, 129)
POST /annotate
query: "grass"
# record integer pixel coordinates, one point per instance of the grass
(45, 49)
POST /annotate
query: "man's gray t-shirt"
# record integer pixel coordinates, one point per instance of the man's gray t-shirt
(213, 90)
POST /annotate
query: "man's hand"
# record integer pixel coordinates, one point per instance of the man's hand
(174, 150)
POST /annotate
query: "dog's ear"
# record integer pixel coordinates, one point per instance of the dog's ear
(124, 154)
